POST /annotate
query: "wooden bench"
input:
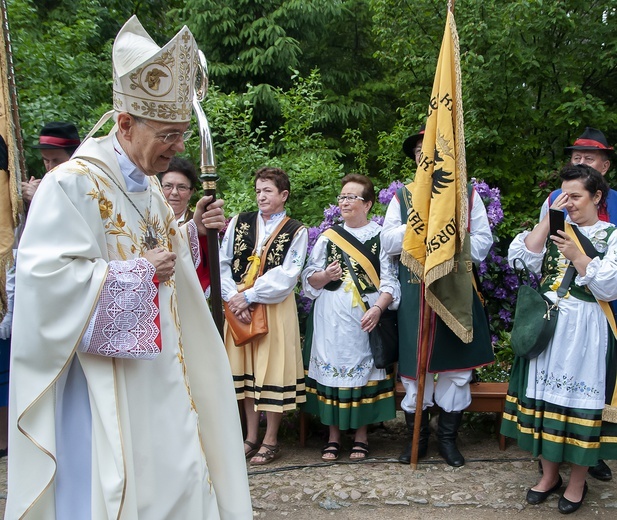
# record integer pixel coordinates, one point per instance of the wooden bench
(485, 397)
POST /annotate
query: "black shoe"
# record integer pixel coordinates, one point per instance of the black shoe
(410, 419)
(601, 471)
(537, 497)
(447, 431)
(566, 507)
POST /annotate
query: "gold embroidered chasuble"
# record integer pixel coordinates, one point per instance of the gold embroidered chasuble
(166, 436)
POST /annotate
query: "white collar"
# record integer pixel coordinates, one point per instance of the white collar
(135, 179)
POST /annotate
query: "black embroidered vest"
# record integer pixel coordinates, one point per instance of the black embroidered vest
(245, 237)
(335, 253)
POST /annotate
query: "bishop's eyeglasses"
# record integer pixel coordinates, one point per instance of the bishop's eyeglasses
(171, 137)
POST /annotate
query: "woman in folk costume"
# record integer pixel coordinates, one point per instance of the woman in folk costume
(556, 401)
(122, 403)
(344, 388)
(262, 255)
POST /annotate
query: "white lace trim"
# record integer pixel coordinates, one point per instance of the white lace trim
(124, 324)
(194, 242)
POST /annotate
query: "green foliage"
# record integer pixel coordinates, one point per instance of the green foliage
(313, 166)
(504, 357)
(534, 75)
(62, 56)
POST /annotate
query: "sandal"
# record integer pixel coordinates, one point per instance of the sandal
(254, 449)
(331, 448)
(266, 457)
(359, 448)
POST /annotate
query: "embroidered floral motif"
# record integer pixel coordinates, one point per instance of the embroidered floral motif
(275, 254)
(567, 383)
(329, 370)
(242, 230)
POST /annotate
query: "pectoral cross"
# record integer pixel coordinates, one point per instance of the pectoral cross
(150, 239)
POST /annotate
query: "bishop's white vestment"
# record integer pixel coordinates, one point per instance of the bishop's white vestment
(95, 435)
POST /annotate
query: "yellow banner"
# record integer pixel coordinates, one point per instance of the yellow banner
(10, 170)
(437, 221)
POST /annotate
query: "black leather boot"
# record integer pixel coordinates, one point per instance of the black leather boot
(447, 432)
(410, 419)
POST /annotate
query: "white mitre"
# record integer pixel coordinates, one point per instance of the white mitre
(152, 82)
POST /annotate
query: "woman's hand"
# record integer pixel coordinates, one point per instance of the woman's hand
(370, 319)
(237, 304)
(567, 247)
(334, 271)
(560, 201)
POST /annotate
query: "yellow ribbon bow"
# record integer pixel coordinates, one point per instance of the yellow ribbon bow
(251, 274)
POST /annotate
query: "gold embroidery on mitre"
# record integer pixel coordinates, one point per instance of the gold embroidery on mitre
(153, 82)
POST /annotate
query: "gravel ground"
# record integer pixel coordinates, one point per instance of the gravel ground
(492, 484)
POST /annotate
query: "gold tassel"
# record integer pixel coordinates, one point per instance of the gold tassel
(609, 413)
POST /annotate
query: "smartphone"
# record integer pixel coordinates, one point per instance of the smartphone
(557, 219)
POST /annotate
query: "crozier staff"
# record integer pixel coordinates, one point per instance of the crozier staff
(122, 404)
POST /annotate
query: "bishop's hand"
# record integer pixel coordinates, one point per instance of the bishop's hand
(209, 215)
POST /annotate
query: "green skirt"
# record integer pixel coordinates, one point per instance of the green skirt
(558, 433)
(351, 408)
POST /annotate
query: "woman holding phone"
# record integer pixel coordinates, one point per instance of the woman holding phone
(555, 402)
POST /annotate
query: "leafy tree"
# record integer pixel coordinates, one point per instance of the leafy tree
(313, 166)
(62, 55)
(534, 75)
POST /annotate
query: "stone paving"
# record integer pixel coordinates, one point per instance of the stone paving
(492, 484)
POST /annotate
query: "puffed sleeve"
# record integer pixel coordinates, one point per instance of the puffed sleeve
(393, 229)
(481, 235)
(277, 283)
(226, 253)
(316, 262)
(518, 249)
(601, 274)
(389, 278)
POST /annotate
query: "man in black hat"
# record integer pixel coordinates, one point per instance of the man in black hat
(592, 148)
(452, 360)
(57, 142)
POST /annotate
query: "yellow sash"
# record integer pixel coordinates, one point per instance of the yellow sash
(609, 413)
(355, 253)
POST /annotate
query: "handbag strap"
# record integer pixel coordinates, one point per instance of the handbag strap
(563, 286)
(354, 277)
(266, 247)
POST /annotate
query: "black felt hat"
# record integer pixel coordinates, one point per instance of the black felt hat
(592, 139)
(410, 143)
(58, 135)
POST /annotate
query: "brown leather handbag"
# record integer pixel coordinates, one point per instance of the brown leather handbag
(243, 333)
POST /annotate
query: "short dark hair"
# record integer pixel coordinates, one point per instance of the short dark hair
(593, 181)
(183, 166)
(276, 175)
(368, 189)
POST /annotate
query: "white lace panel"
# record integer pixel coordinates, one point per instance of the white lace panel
(126, 321)
(194, 242)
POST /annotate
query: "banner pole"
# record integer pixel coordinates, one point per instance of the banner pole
(421, 379)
